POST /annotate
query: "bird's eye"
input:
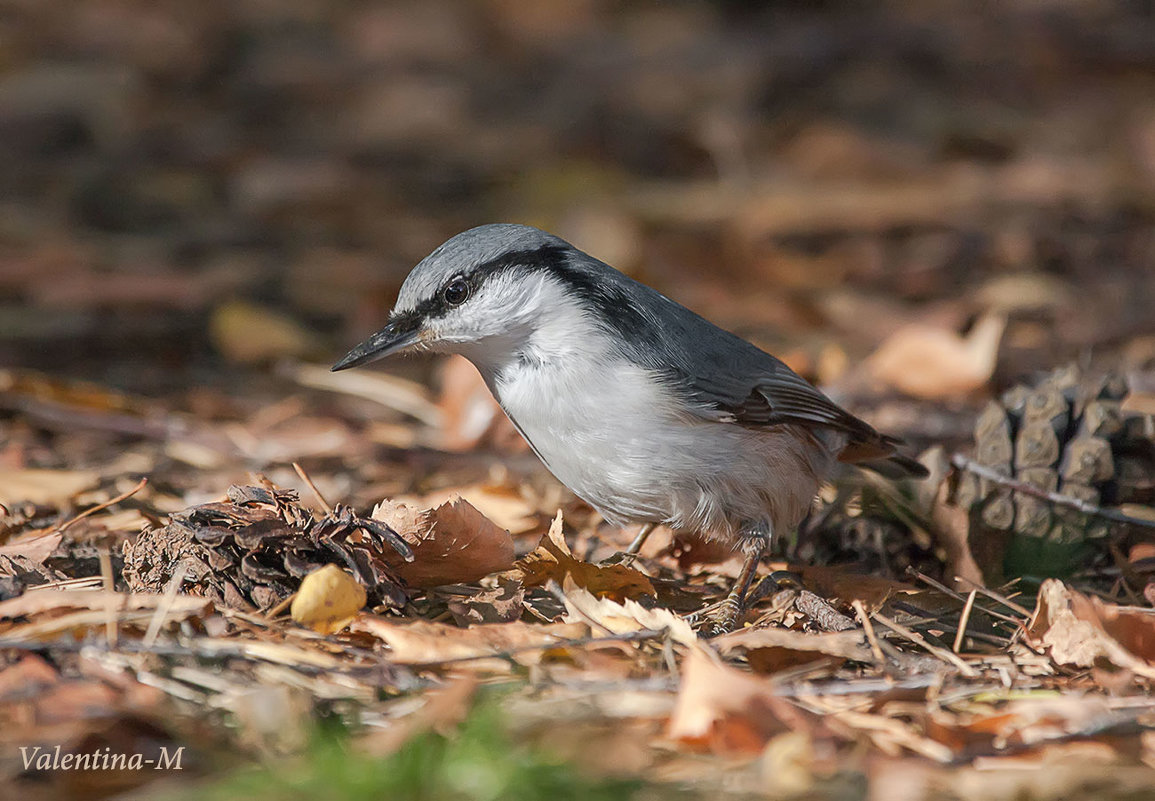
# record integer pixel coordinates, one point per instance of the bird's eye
(456, 292)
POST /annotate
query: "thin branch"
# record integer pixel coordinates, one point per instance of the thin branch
(1004, 600)
(316, 492)
(918, 639)
(982, 471)
(868, 627)
(958, 596)
(629, 636)
(963, 621)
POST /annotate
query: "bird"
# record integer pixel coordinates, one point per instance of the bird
(647, 411)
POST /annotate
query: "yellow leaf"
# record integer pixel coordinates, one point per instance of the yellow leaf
(328, 599)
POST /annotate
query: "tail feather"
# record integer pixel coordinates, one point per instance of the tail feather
(880, 454)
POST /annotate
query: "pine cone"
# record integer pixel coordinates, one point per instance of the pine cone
(1065, 436)
(253, 551)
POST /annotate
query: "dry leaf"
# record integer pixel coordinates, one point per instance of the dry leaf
(327, 600)
(1081, 631)
(35, 548)
(424, 642)
(841, 644)
(619, 618)
(936, 363)
(503, 604)
(553, 561)
(720, 708)
(452, 543)
(838, 584)
(39, 601)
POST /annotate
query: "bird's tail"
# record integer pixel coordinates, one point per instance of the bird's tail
(880, 454)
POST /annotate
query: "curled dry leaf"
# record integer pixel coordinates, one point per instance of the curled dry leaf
(553, 561)
(452, 543)
(327, 600)
(582, 606)
(723, 709)
(1082, 631)
(424, 642)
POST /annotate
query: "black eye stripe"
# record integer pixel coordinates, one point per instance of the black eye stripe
(543, 258)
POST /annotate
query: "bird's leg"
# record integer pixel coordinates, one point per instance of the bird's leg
(640, 540)
(724, 616)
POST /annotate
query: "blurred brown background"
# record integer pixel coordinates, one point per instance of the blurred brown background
(188, 187)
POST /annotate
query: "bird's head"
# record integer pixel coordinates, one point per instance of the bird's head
(481, 294)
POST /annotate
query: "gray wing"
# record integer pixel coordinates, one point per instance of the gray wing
(722, 376)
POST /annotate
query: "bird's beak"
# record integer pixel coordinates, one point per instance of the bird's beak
(398, 335)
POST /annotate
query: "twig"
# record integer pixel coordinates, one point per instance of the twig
(958, 596)
(280, 607)
(918, 639)
(994, 596)
(963, 620)
(110, 628)
(628, 636)
(316, 492)
(982, 471)
(868, 627)
(123, 496)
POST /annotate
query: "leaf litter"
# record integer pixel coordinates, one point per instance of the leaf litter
(909, 646)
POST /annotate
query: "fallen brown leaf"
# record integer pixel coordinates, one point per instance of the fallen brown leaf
(774, 648)
(35, 549)
(722, 709)
(619, 618)
(452, 543)
(553, 561)
(1081, 631)
(839, 584)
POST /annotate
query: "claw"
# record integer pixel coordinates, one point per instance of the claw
(720, 618)
(725, 615)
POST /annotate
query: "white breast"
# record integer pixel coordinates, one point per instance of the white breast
(597, 430)
(617, 436)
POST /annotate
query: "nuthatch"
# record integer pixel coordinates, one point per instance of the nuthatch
(647, 411)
